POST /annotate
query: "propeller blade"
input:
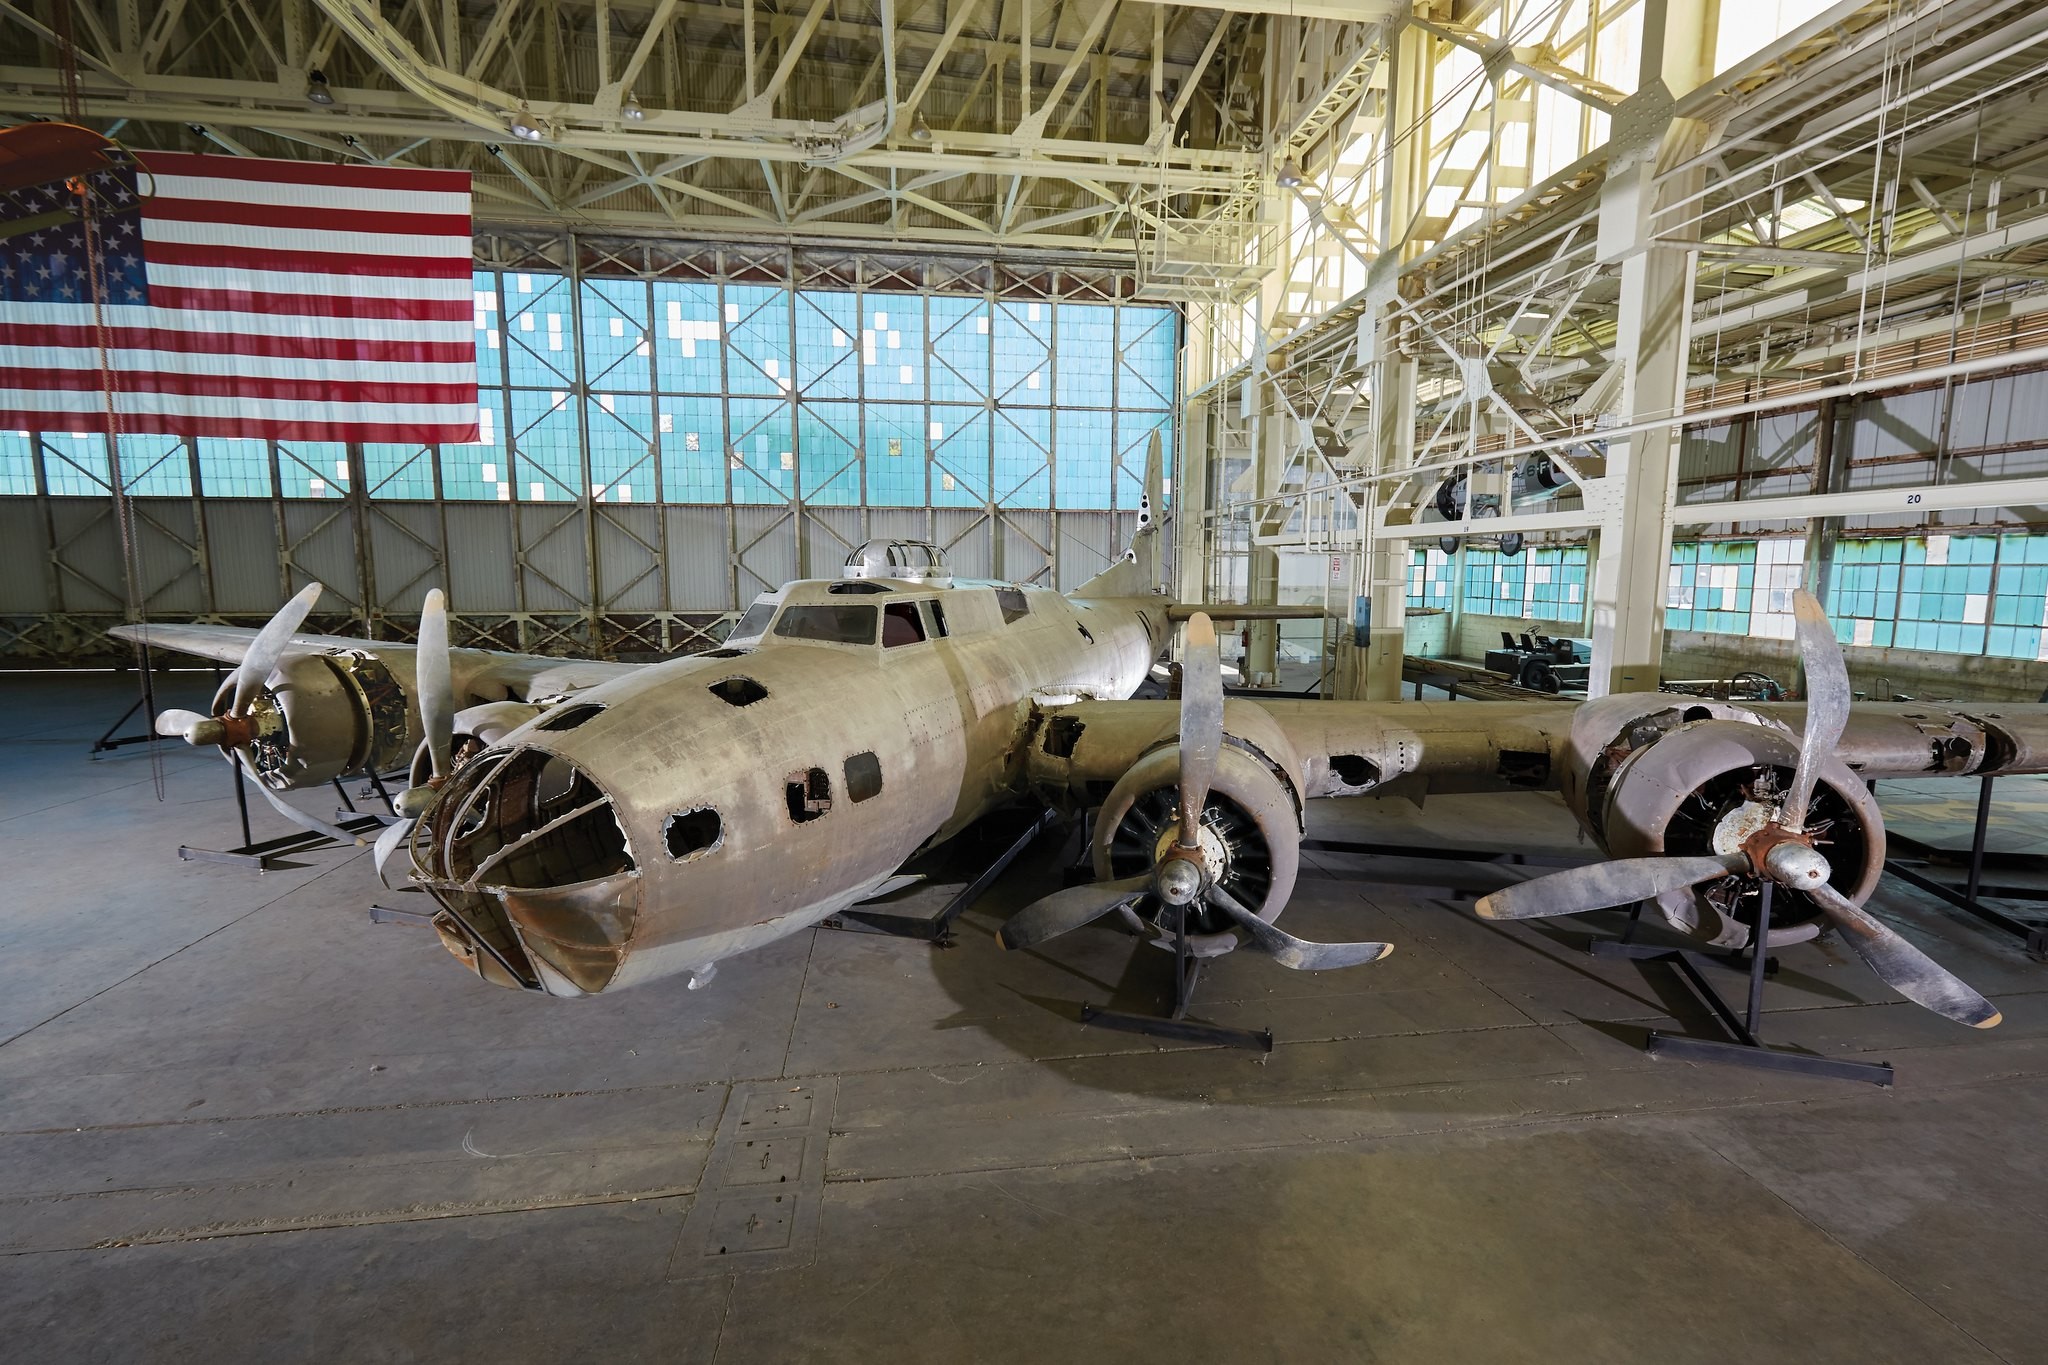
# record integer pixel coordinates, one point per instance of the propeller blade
(436, 683)
(1597, 886)
(189, 726)
(1827, 702)
(1900, 965)
(292, 813)
(1054, 915)
(389, 842)
(1201, 723)
(1289, 951)
(259, 661)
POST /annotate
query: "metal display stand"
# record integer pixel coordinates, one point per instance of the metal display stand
(1187, 970)
(1743, 1046)
(264, 856)
(2032, 934)
(938, 929)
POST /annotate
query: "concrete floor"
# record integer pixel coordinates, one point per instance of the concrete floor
(238, 1121)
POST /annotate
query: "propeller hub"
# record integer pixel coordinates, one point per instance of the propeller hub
(208, 731)
(412, 803)
(1796, 865)
(1178, 881)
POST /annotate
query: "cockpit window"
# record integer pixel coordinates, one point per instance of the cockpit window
(1014, 604)
(750, 626)
(842, 623)
(900, 625)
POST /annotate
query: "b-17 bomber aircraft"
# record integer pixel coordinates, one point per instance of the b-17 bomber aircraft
(586, 826)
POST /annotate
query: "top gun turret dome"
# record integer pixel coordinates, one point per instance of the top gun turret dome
(909, 561)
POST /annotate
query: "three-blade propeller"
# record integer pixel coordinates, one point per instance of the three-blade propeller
(435, 676)
(1181, 880)
(1791, 863)
(235, 729)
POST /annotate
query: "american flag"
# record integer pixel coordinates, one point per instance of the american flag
(246, 298)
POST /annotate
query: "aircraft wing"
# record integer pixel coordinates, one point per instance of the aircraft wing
(1346, 748)
(481, 673)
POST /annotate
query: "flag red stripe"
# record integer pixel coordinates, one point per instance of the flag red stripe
(312, 305)
(298, 216)
(241, 343)
(308, 262)
(266, 171)
(250, 428)
(241, 386)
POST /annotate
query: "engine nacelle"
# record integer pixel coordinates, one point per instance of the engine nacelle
(322, 715)
(1250, 838)
(1699, 779)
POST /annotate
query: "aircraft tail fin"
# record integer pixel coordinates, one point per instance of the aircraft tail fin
(1140, 570)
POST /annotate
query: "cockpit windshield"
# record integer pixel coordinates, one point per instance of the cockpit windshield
(842, 623)
(750, 626)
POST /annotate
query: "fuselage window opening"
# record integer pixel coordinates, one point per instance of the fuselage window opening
(738, 691)
(1014, 604)
(839, 623)
(691, 832)
(753, 624)
(809, 792)
(900, 625)
(935, 620)
(569, 717)
(863, 777)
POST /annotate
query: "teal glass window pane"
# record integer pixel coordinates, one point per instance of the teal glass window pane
(539, 330)
(618, 350)
(312, 469)
(481, 470)
(17, 464)
(892, 347)
(693, 449)
(828, 453)
(1082, 452)
(1084, 342)
(156, 466)
(1022, 456)
(490, 336)
(234, 469)
(761, 450)
(828, 344)
(960, 345)
(1148, 341)
(1023, 354)
(621, 447)
(898, 439)
(757, 326)
(689, 337)
(548, 447)
(400, 471)
(75, 466)
(960, 456)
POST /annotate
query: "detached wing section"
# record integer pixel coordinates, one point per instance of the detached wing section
(1351, 748)
(485, 675)
(335, 705)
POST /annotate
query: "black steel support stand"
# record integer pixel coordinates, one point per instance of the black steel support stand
(1744, 1045)
(1187, 970)
(265, 855)
(938, 929)
(146, 703)
(2031, 934)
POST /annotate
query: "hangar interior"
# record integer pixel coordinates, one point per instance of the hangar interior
(1497, 351)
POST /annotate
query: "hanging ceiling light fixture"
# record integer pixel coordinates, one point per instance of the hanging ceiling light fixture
(920, 131)
(316, 89)
(631, 108)
(1289, 175)
(524, 126)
